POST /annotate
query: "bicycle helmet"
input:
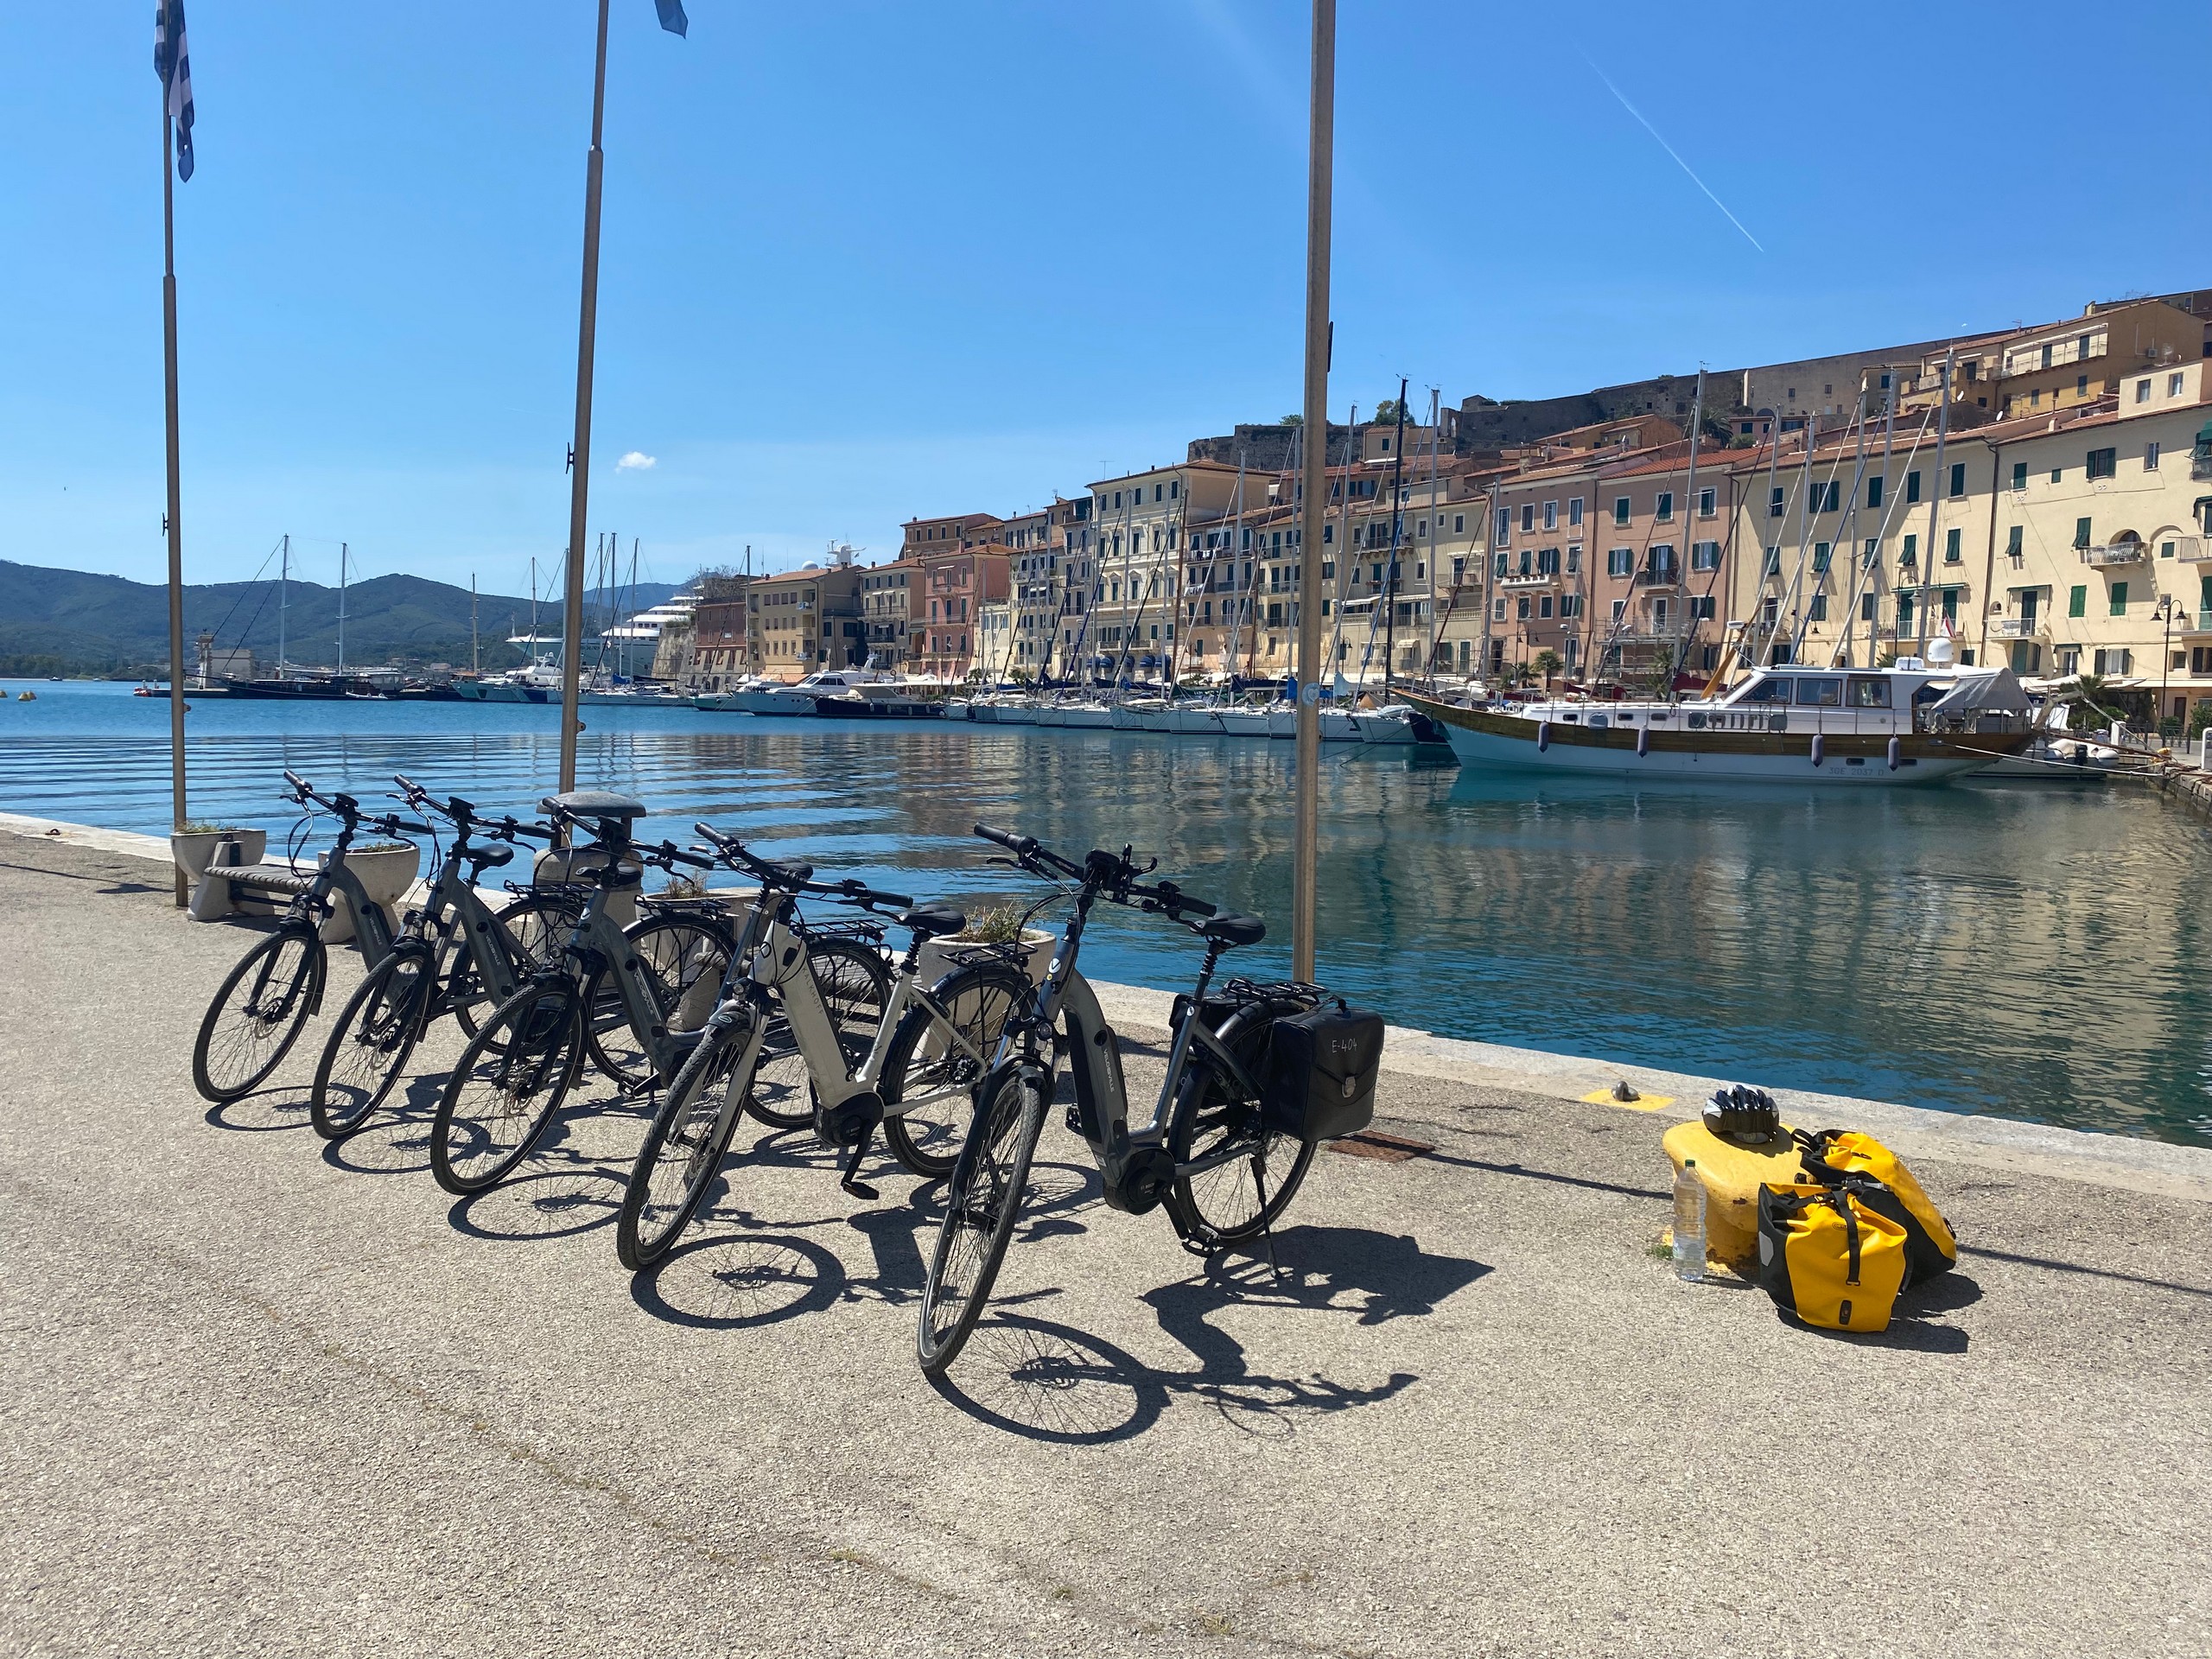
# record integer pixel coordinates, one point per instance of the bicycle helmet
(1745, 1115)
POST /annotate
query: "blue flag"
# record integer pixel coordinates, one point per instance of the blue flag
(673, 18)
(173, 63)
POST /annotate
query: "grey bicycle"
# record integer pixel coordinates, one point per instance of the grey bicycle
(263, 1003)
(656, 978)
(909, 1076)
(455, 955)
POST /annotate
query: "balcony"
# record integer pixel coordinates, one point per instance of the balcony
(2189, 549)
(2019, 627)
(1665, 576)
(1509, 584)
(2113, 553)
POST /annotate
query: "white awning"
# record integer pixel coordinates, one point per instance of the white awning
(1995, 690)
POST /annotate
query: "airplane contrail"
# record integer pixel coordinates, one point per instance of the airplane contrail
(1670, 149)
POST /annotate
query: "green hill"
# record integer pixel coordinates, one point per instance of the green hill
(74, 622)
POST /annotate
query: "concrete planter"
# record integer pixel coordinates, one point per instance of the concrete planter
(384, 877)
(556, 864)
(195, 853)
(938, 956)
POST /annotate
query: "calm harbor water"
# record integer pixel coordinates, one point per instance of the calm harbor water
(2038, 953)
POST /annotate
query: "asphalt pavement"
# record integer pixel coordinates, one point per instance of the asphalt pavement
(265, 1394)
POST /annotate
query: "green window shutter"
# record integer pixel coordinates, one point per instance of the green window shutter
(2013, 541)
(2119, 599)
(2019, 474)
(1951, 554)
(1959, 477)
(1911, 487)
(1874, 491)
(2077, 601)
(2080, 532)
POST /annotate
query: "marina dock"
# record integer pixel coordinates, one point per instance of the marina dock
(1472, 1415)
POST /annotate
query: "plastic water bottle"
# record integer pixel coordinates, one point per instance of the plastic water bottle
(1689, 1222)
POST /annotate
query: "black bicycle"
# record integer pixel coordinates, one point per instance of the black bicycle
(1230, 1139)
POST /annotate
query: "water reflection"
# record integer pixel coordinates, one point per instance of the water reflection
(1976, 948)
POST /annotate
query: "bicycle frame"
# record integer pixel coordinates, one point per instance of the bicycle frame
(597, 941)
(1133, 1163)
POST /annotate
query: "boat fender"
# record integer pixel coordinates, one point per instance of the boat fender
(1820, 747)
(1897, 754)
(1543, 736)
(1643, 741)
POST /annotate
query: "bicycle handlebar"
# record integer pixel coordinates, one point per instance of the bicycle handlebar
(668, 853)
(302, 793)
(1112, 874)
(853, 890)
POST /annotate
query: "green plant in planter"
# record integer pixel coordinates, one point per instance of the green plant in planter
(384, 847)
(999, 924)
(206, 827)
(683, 887)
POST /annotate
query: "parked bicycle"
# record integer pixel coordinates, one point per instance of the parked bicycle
(911, 1074)
(455, 954)
(259, 1010)
(1257, 1075)
(634, 1000)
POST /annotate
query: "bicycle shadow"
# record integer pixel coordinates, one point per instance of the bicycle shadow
(739, 1280)
(396, 1140)
(273, 1106)
(1048, 1382)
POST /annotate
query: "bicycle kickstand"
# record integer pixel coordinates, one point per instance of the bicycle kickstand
(850, 1180)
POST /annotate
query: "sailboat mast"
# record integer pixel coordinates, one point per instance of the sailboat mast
(1925, 574)
(1398, 524)
(283, 598)
(533, 608)
(342, 607)
(475, 656)
(1435, 523)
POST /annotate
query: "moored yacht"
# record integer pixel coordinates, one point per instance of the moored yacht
(1907, 724)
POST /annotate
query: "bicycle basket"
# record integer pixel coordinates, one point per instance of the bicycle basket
(1318, 1081)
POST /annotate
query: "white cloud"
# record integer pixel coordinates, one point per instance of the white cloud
(637, 461)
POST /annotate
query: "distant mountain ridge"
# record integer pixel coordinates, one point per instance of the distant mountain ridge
(56, 621)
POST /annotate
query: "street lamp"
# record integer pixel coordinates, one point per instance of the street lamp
(2165, 613)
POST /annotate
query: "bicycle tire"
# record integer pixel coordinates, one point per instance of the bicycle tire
(938, 1080)
(684, 958)
(265, 1031)
(522, 1064)
(1210, 1209)
(368, 1047)
(855, 985)
(536, 927)
(993, 1168)
(698, 1119)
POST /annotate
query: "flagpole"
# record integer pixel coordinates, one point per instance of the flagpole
(572, 613)
(1314, 507)
(175, 526)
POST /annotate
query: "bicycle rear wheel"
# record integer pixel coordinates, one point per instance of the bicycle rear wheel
(933, 1065)
(684, 958)
(368, 1048)
(257, 1013)
(536, 926)
(855, 986)
(509, 1082)
(685, 1147)
(982, 1202)
(1250, 1171)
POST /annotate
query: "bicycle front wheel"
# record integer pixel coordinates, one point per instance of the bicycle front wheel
(982, 1203)
(535, 927)
(855, 986)
(1236, 1175)
(931, 1068)
(685, 1147)
(509, 1082)
(368, 1047)
(257, 1013)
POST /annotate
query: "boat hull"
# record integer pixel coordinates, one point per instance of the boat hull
(1482, 739)
(1242, 722)
(1197, 722)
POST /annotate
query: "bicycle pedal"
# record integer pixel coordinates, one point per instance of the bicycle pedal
(860, 1189)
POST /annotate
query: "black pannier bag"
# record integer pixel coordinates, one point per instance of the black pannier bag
(1318, 1080)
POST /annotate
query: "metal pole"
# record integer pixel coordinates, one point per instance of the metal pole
(572, 614)
(1926, 573)
(342, 607)
(176, 525)
(1314, 506)
(1398, 524)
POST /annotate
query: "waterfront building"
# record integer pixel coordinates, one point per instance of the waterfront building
(1141, 522)
(2067, 364)
(720, 639)
(885, 611)
(806, 619)
(949, 588)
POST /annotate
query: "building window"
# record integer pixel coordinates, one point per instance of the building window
(2080, 532)
(1504, 522)
(2103, 463)
(2142, 391)
(2057, 474)
(1704, 556)
(1574, 510)
(2173, 385)
(1521, 608)
(1459, 523)
(1573, 561)
(1817, 609)
(1709, 503)
(1620, 509)
(2013, 551)
(1951, 553)
(1824, 497)
(2077, 601)
(1773, 502)
(1820, 558)
(1912, 488)
(1570, 604)
(1868, 606)
(1773, 565)
(2019, 474)
(1666, 509)
(2119, 599)
(1528, 515)
(1497, 610)
(1911, 553)
(1958, 478)
(1551, 515)
(2080, 385)
(2151, 457)
(1620, 561)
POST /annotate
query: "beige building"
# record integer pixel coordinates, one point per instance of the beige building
(885, 601)
(2070, 364)
(806, 619)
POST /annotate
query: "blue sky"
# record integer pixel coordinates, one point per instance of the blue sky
(867, 260)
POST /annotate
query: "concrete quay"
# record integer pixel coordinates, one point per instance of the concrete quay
(264, 1394)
